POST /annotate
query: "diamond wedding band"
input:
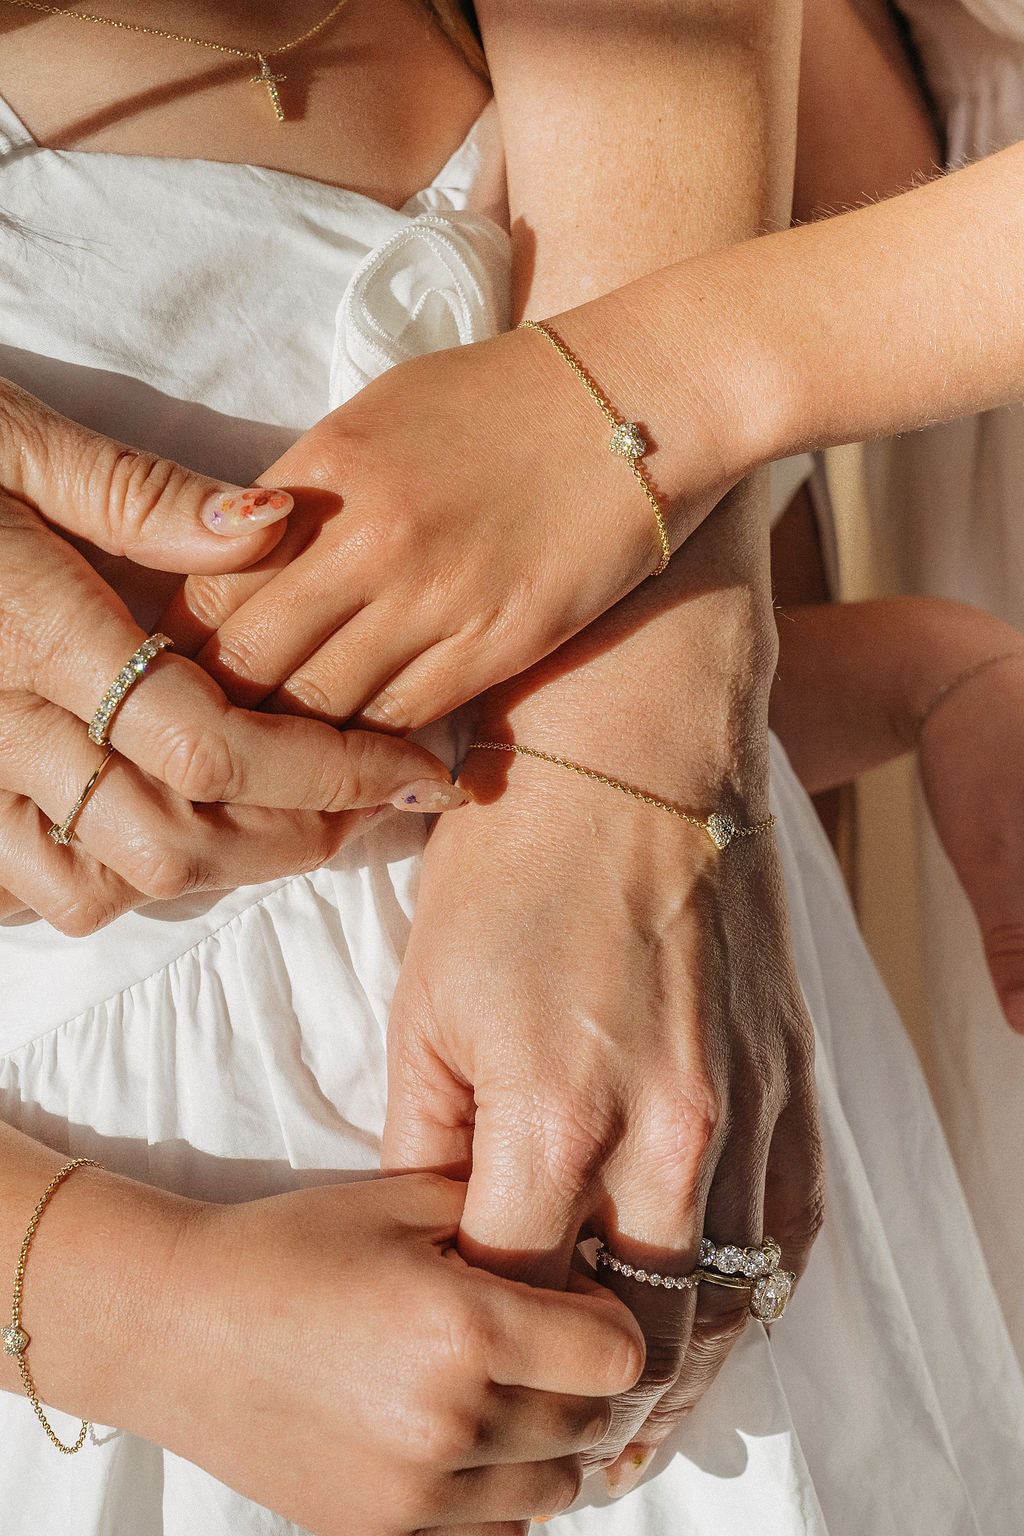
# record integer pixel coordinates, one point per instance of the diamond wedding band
(123, 683)
(755, 1269)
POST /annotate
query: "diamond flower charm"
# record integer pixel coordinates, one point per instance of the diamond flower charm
(627, 442)
(721, 829)
(14, 1341)
(771, 1295)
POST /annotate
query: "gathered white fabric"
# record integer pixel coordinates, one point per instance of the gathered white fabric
(232, 1046)
(948, 509)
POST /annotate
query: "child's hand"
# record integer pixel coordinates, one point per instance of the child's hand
(333, 1358)
(971, 748)
(466, 518)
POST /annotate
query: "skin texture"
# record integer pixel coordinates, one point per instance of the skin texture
(854, 680)
(159, 825)
(482, 1403)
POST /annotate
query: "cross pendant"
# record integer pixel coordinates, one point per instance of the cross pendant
(267, 77)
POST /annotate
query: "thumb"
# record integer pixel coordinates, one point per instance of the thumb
(130, 502)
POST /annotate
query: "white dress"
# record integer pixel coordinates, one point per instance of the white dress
(233, 1046)
(948, 511)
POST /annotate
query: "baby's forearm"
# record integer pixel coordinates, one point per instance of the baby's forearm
(854, 678)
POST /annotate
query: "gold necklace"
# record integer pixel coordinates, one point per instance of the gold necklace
(266, 75)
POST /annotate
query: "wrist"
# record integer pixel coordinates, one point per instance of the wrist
(98, 1298)
(669, 692)
(710, 391)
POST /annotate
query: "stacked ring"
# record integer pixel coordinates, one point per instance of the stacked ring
(125, 680)
(737, 1269)
(63, 831)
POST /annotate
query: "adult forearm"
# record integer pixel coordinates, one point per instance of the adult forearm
(683, 141)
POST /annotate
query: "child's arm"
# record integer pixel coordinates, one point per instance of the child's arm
(860, 683)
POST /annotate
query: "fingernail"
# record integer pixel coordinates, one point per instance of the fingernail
(428, 795)
(233, 511)
(624, 1475)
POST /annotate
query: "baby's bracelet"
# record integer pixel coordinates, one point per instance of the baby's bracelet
(719, 826)
(625, 441)
(14, 1339)
(966, 676)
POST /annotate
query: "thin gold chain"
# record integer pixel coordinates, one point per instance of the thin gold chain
(622, 431)
(180, 37)
(720, 827)
(15, 1330)
(261, 56)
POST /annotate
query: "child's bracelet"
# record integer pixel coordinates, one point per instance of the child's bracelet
(14, 1339)
(625, 440)
(719, 826)
(954, 683)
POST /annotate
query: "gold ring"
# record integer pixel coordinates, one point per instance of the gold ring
(129, 675)
(63, 831)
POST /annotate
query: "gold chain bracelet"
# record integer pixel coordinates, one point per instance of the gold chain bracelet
(14, 1339)
(625, 442)
(719, 826)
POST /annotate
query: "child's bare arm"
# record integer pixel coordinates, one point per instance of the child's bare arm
(860, 683)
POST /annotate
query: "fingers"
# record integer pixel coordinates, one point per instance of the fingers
(176, 724)
(537, 1426)
(128, 502)
(1004, 951)
(62, 885)
(144, 841)
(790, 1210)
(501, 1493)
(558, 1341)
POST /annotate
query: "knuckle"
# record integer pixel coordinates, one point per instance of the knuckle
(559, 1485)
(209, 599)
(715, 1331)
(311, 698)
(197, 764)
(241, 655)
(1004, 948)
(139, 484)
(79, 915)
(163, 873)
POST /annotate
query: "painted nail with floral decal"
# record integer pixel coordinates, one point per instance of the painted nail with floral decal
(429, 796)
(233, 511)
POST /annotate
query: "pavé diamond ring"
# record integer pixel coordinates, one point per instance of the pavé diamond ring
(753, 1269)
(125, 680)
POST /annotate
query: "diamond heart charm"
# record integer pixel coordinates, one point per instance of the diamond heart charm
(14, 1341)
(721, 829)
(627, 442)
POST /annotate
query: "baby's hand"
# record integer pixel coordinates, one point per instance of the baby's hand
(971, 746)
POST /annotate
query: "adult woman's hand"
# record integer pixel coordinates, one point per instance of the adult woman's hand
(326, 1353)
(648, 1075)
(64, 635)
(647, 1078)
